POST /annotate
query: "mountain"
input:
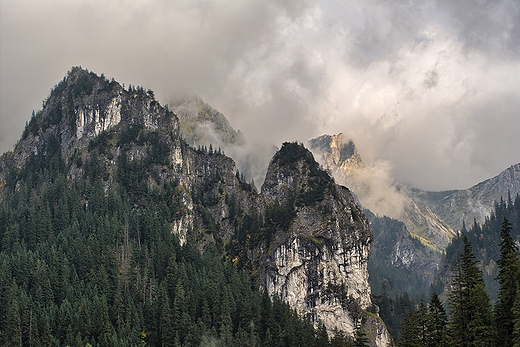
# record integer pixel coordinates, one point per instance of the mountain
(319, 254)
(398, 258)
(203, 125)
(376, 191)
(477, 202)
(115, 231)
(401, 260)
(433, 217)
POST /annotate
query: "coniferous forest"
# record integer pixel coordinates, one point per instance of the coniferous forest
(86, 265)
(91, 261)
(471, 317)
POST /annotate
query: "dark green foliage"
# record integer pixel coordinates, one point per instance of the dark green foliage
(360, 337)
(131, 134)
(291, 153)
(426, 326)
(81, 263)
(393, 311)
(472, 318)
(437, 324)
(102, 142)
(160, 150)
(509, 280)
(132, 175)
(84, 83)
(41, 167)
(318, 180)
(53, 118)
(486, 241)
(516, 320)
(471, 315)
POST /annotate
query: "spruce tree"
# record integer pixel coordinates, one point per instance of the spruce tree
(13, 327)
(480, 328)
(410, 331)
(422, 323)
(322, 338)
(516, 319)
(165, 326)
(360, 337)
(469, 303)
(437, 323)
(508, 278)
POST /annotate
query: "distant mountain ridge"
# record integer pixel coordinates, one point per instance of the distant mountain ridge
(398, 258)
(376, 192)
(433, 216)
(476, 202)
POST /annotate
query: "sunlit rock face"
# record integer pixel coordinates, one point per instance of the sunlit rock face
(377, 192)
(318, 264)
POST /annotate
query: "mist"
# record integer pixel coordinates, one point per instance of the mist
(431, 87)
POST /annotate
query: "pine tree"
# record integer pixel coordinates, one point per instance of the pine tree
(13, 326)
(165, 320)
(226, 324)
(516, 319)
(339, 339)
(480, 328)
(470, 307)
(410, 331)
(322, 338)
(508, 278)
(360, 337)
(437, 323)
(422, 323)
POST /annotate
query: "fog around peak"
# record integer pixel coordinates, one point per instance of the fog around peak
(432, 87)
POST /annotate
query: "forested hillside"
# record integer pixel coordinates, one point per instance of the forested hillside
(114, 232)
(482, 288)
(485, 239)
(81, 264)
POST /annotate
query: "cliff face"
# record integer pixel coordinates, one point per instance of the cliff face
(318, 262)
(302, 237)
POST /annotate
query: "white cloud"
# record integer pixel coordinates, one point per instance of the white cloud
(431, 86)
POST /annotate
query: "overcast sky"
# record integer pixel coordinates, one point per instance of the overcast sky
(430, 88)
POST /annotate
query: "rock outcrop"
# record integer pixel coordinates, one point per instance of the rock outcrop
(302, 237)
(378, 193)
(203, 125)
(318, 262)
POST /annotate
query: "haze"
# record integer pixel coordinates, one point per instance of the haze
(429, 88)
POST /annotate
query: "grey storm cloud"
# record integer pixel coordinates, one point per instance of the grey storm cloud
(430, 88)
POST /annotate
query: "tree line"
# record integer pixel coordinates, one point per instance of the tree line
(83, 263)
(472, 319)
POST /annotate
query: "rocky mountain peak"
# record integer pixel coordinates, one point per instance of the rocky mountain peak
(317, 260)
(293, 173)
(203, 125)
(336, 151)
(304, 236)
(83, 107)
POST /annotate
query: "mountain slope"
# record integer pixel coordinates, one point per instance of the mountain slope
(377, 192)
(477, 202)
(142, 212)
(203, 125)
